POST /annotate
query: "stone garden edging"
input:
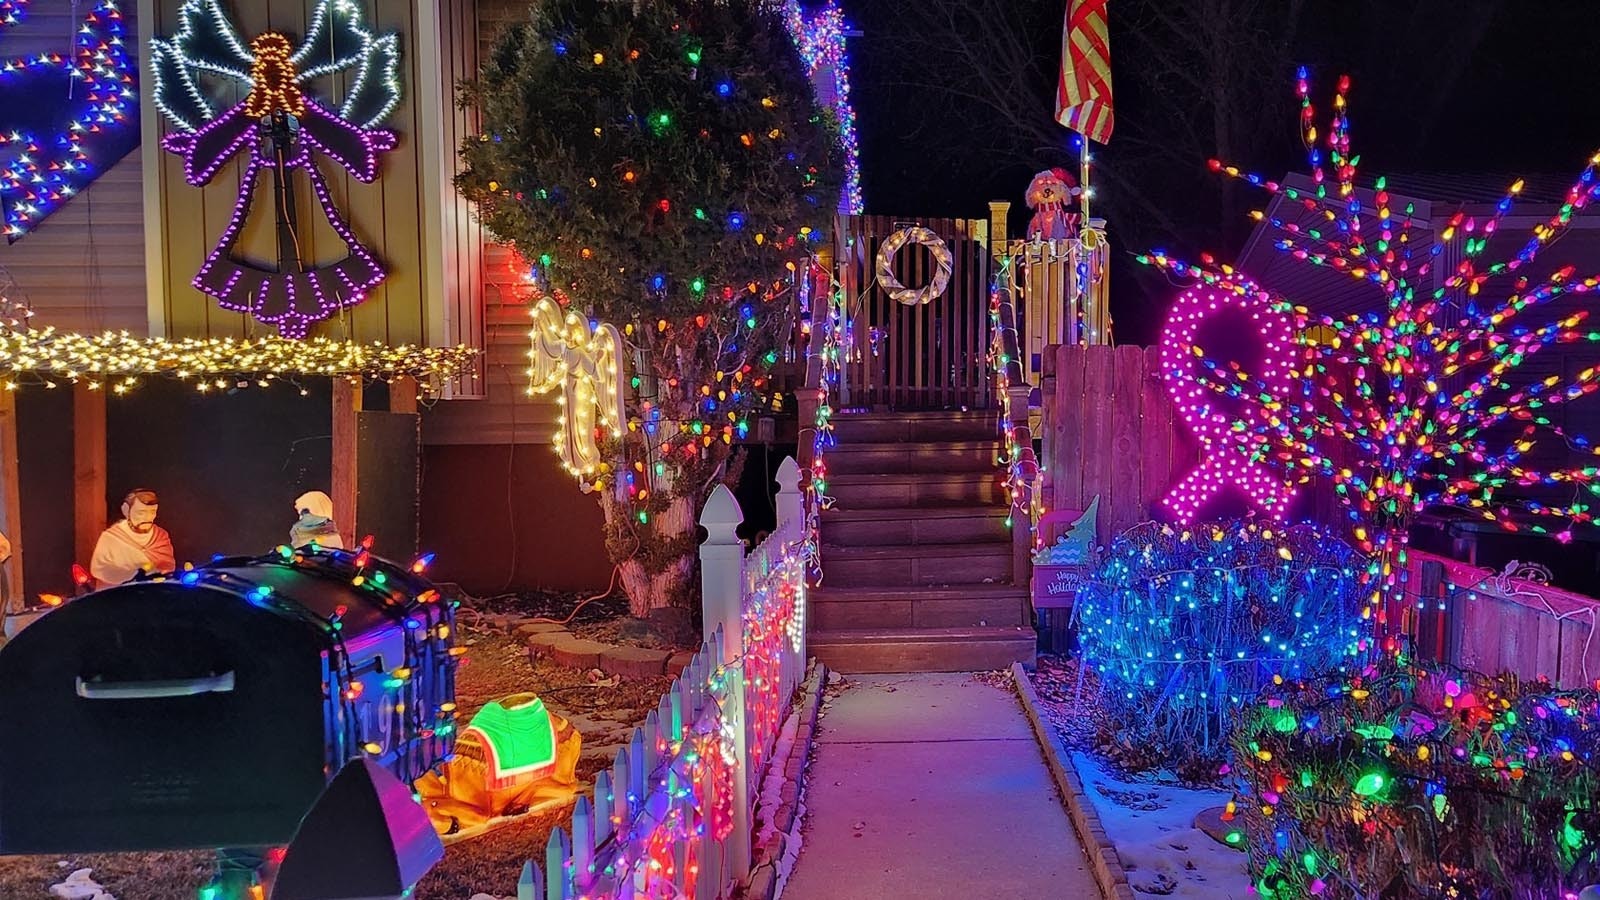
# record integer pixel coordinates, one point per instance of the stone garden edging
(1106, 865)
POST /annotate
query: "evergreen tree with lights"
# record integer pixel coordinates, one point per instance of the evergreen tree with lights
(662, 167)
(1421, 403)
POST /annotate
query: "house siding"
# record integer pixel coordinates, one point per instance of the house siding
(82, 268)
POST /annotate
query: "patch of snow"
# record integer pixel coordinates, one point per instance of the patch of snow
(79, 886)
(1152, 825)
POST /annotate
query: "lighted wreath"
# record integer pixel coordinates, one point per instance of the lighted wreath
(282, 129)
(942, 262)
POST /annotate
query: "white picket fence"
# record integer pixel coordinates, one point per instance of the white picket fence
(671, 818)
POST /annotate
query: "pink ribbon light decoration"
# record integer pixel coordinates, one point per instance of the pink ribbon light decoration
(1225, 461)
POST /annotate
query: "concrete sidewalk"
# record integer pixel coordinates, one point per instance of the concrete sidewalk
(932, 787)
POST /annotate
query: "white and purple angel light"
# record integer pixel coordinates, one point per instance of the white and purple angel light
(283, 130)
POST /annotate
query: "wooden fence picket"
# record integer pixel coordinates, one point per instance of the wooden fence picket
(621, 784)
(582, 840)
(637, 770)
(650, 736)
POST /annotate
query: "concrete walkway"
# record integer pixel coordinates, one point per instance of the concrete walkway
(932, 787)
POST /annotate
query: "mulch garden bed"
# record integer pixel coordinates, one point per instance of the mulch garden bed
(604, 708)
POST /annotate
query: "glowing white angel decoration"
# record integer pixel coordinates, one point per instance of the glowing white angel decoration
(585, 364)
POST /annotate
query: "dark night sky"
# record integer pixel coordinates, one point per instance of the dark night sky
(1524, 102)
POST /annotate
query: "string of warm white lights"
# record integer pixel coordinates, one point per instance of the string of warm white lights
(119, 359)
(582, 362)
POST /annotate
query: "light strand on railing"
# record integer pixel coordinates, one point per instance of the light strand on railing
(1012, 452)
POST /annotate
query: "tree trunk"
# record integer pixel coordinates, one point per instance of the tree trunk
(659, 572)
(1386, 584)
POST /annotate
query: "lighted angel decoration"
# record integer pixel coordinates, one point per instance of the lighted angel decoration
(584, 363)
(282, 128)
(1049, 194)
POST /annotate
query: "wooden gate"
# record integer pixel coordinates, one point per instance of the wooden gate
(916, 357)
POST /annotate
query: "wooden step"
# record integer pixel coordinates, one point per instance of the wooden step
(942, 456)
(924, 426)
(913, 525)
(923, 649)
(910, 565)
(967, 606)
(917, 489)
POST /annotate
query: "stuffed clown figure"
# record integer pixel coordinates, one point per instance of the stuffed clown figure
(133, 544)
(1049, 196)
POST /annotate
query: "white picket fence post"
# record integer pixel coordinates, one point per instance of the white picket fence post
(722, 599)
(792, 526)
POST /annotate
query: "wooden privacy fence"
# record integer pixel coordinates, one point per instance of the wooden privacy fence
(672, 817)
(931, 356)
(1467, 618)
(1109, 430)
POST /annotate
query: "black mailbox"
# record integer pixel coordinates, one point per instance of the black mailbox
(211, 709)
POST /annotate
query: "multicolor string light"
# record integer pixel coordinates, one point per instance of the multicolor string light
(1408, 406)
(99, 116)
(1017, 458)
(820, 36)
(1425, 783)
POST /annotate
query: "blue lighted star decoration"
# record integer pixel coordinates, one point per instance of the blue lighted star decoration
(64, 118)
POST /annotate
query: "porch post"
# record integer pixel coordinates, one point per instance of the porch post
(403, 395)
(346, 403)
(998, 239)
(88, 469)
(11, 499)
(722, 599)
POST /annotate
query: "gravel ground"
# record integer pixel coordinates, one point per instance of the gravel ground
(496, 664)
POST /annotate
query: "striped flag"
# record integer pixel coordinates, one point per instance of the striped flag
(1083, 95)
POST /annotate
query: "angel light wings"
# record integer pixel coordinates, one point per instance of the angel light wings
(281, 128)
(584, 363)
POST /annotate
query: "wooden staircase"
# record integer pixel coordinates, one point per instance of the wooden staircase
(916, 553)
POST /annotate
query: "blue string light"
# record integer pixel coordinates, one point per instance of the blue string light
(95, 116)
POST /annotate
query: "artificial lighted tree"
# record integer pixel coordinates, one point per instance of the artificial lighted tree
(1421, 403)
(661, 168)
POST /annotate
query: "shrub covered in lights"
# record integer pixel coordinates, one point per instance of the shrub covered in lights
(1186, 625)
(664, 168)
(1418, 784)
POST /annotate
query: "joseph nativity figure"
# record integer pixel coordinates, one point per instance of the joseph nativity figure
(133, 544)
